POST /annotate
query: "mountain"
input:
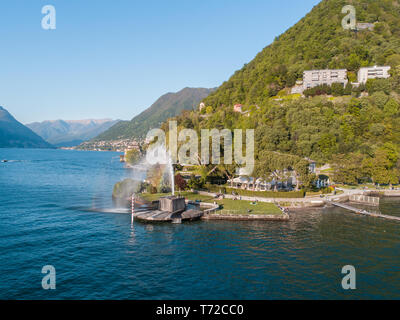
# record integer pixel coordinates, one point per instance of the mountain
(68, 133)
(14, 134)
(356, 130)
(317, 41)
(167, 106)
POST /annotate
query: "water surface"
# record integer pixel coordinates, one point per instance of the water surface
(44, 197)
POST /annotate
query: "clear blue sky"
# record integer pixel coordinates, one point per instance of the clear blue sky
(113, 59)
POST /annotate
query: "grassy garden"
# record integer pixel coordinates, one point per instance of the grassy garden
(228, 206)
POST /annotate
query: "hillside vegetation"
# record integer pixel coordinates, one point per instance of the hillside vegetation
(317, 41)
(359, 135)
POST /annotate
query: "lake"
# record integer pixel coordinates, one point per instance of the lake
(46, 197)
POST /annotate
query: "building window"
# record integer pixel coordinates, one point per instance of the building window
(315, 76)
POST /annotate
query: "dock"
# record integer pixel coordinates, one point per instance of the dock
(165, 216)
(362, 211)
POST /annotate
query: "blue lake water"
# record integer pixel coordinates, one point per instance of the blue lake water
(44, 197)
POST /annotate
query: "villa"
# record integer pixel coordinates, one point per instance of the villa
(250, 183)
(376, 72)
(258, 184)
(289, 181)
(313, 78)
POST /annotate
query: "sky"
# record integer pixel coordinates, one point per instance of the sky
(113, 59)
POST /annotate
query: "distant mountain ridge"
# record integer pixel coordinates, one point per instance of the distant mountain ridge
(69, 133)
(167, 106)
(14, 134)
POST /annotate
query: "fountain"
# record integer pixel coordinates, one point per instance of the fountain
(169, 209)
(160, 156)
(171, 174)
(166, 209)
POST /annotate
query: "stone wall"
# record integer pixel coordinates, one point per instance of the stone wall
(172, 204)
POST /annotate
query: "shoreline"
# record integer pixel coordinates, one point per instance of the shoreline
(245, 217)
(286, 206)
(312, 202)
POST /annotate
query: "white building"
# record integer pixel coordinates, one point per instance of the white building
(365, 26)
(373, 73)
(313, 78)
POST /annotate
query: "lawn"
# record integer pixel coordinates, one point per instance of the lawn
(153, 196)
(246, 207)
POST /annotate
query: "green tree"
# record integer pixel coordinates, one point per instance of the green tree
(381, 167)
(354, 62)
(195, 182)
(327, 144)
(347, 168)
(132, 156)
(337, 89)
(375, 85)
(348, 89)
(391, 108)
(379, 98)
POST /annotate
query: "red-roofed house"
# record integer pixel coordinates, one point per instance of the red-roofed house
(237, 108)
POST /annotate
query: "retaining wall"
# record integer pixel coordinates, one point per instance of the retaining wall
(359, 198)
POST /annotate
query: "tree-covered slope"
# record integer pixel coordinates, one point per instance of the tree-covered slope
(14, 134)
(317, 41)
(356, 132)
(167, 106)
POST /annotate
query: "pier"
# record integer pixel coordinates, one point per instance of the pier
(164, 216)
(362, 211)
(167, 209)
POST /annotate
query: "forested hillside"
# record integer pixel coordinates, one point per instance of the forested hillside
(358, 133)
(317, 41)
